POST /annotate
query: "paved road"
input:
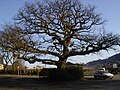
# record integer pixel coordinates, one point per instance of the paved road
(34, 83)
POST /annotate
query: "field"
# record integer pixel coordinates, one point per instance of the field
(35, 83)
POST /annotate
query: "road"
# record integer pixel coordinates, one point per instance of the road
(34, 83)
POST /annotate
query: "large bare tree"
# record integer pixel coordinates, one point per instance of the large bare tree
(53, 31)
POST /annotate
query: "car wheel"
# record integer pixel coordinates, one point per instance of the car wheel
(104, 77)
(111, 77)
(95, 77)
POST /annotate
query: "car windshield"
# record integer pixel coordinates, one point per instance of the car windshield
(100, 72)
(105, 72)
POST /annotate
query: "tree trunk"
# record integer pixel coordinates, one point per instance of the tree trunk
(61, 64)
(5, 67)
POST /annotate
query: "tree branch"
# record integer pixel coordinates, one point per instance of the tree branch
(33, 59)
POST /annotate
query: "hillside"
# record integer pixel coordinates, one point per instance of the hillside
(96, 63)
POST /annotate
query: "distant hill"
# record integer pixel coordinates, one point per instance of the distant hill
(97, 63)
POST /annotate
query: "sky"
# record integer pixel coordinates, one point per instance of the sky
(110, 10)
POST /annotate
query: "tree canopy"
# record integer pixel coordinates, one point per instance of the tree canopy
(52, 31)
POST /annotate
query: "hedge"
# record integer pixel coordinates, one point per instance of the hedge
(69, 73)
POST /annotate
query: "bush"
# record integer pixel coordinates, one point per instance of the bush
(69, 73)
(1, 71)
(44, 73)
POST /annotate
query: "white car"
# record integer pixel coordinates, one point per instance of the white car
(103, 75)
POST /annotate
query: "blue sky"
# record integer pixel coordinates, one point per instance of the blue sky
(110, 11)
(108, 8)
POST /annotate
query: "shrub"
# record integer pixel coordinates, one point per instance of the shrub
(69, 73)
(44, 73)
